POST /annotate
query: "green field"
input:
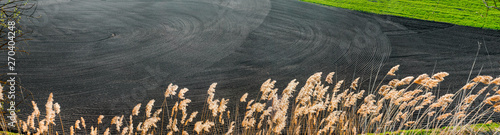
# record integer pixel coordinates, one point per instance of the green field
(474, 128)
(7, 133)
(461, 12)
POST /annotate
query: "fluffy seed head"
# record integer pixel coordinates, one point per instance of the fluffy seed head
(405, 81)
(483, 79)
(77, 124)
(36, 111)
(198, 126)
(222, 105)
(57, 108)
(135, 111)
(469, 86)
(170, 90)
(93, 131)
(182, 92)
(231, 127)
(440, 76)
(421, 79)
(244, 98)
(71, 130)
(354, 83)
(444, 116)
(431, 83)
(496, 81)
(393, 70)
(491, 99)
(329, 77)
(489, 122)
(149, 107)
(49, 108)
(156, 114)
(337, 86)
(106, 132)
(83, 122)
(470, 98)
(183, 104)
(191, 117)
(431, 113)
(496, 107)
(99, 120)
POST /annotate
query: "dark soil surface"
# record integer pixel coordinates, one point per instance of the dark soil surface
(104, 57)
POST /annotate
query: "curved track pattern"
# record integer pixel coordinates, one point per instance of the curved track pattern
(103, 57)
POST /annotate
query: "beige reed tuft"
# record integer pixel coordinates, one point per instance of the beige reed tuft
(315, 107)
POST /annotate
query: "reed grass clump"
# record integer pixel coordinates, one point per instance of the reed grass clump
(335, 107)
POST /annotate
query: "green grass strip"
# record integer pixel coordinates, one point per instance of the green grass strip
(461, 12)
(475, 128)
(7, 133)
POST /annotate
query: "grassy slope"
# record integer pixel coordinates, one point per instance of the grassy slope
(7, 133)
(476, 128)
(461, 12)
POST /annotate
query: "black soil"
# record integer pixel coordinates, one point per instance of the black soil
(104, 57)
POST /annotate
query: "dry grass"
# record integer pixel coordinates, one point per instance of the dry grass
(316, 108)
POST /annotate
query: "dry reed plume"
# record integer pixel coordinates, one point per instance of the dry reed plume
(317, 108)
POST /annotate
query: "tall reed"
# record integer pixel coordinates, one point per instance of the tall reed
(329, 107)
